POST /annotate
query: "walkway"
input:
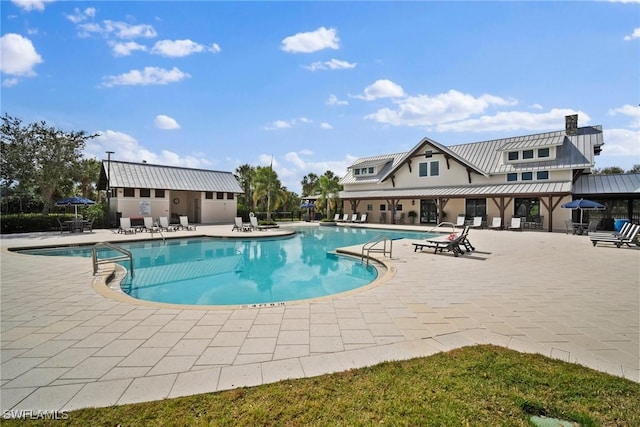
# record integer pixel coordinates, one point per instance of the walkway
(64, 346)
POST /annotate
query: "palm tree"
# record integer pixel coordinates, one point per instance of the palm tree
(309, 184)
(244, 174)
(267, 187)
(328, 187)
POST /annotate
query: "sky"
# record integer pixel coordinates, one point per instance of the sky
(313, 86)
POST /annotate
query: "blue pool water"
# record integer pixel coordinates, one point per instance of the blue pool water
(212, 271)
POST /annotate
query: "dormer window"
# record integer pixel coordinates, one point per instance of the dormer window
(527, 154)
(513, 155)
(543, 152)
(364, 171)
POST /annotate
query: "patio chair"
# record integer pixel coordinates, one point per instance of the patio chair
(450, 243)
(354, 218)
(64, 226)
(623, 231)
(477, 222)
(184, 224)
(125, 226)
(336, 217)
(149, 225)
(254, 224)
(383, 217)
(399, 218)
(241, 226)
(516, 224)
(631, 236)
(593, 226)
(496, 223)
(87, 225)
(460, 221)
(363, 219)
(164, 224)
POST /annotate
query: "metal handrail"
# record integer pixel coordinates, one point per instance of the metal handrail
(370, 246)
(126, 255)
(443, 224)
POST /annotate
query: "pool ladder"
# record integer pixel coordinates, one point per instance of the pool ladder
(125, 255)
(373, 246)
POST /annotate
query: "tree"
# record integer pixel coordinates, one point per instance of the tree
(635, 169)
(40, 157)
(610, 170)
(245, 174)
(309, 184)
(328, 187)
(86, 174)
(267, 187)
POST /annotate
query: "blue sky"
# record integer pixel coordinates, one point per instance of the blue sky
(312, 86)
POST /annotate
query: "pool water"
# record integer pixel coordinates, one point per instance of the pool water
(214, 271)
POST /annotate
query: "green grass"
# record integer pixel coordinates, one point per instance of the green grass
(481, 385)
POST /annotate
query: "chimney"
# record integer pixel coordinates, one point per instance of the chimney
(571, 124)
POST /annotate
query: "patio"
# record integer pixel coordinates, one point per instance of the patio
(64, 346)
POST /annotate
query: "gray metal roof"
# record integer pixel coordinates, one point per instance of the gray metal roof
(533, 141)
(510, 189)
(144, 175)
(608, 184)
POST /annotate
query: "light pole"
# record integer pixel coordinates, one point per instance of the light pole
(109, 153)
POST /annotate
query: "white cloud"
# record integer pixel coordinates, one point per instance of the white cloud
(9, 82)
(425, 110)
(180, 48)
(333, 100)
(333, 64)
(381, 89)
(634, 35)
(286, 124)
(165, 122)
(18, 55)
(326, 126)
(513, 121)
(30, 5)
(128, 149)
(148, 76)
(120, 30)
(81, 15)
(313, 41)
(632, 111)
(622, 142)
(125, 49)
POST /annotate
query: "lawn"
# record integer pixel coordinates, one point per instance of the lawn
(480, 385)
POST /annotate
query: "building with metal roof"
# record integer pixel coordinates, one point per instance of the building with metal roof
(526, 176)
(143, 189)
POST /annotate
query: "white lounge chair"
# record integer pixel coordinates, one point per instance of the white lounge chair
(516, 224)
(241, 226)
(254, 224)
(336, 217)
(125, 226)
(630, 237)
(354, 218)
(164, 224)
(477, 222)
(363, 219)
(184, 223)
(345, 218)
(496, 223)
(149, 225)
(460, 221)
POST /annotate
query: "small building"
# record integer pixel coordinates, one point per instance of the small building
(527, 176)
(142, 189)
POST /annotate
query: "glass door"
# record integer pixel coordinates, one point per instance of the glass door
(428, 212)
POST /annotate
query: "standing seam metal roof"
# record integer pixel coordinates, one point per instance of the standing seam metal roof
(144, 175)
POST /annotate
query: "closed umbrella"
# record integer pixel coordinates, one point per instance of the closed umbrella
(583, 204)
(75, 202)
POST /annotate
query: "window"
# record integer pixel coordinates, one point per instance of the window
(208, 195)
(476, 207)
(220, 195)
(159, 194)
(527, 176)
(422, 169)
(370, 170)
(383, 208)
(435, 169)
(230, 196)
(511, 177)
(527, 154)
(542, 175)
(129, 192)
(513, 155)
(399, 207)
(356, 171)
(145, 192)
(369, 207)
(527, 208)
(543, 152)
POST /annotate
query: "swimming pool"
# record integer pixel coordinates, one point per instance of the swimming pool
(216, 271)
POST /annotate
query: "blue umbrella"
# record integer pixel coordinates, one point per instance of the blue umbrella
(75, 202)
(308, 205)
(583, 204)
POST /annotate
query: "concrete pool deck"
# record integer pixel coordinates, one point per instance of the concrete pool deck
(64, 346)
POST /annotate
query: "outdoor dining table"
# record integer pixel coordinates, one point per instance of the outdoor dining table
(76, 225)
(580, 227)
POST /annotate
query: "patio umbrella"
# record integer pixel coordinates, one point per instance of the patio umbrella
(75, 202)
(583, 204)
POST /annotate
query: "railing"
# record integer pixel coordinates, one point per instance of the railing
(371, 246)
(126, 255)
(438, 228)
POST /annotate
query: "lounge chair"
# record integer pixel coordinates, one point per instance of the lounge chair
(460, 221)
(184, 224)
(240, 226)
(336, 217)
(254, 224)
(363, 219)
(516, 224)
(450, 243)
(496, 223)
(623, 231)
(149, 225)
(628, 238)
(125, 226)
(164, 224)
(345, 218)
(354, 218)
(477, 222)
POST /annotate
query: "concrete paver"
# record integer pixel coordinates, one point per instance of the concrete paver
(65, 346)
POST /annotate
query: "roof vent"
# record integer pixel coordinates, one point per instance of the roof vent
(571, 124)
(428, 154)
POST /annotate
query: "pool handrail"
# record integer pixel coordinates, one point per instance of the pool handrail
(126, 255)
